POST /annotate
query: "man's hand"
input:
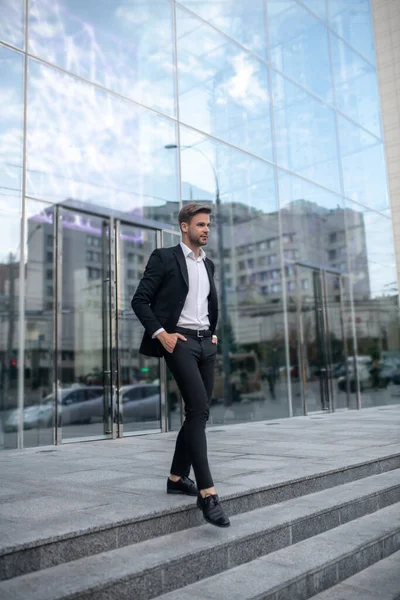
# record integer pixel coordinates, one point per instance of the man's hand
(214, 339)
(169, 340)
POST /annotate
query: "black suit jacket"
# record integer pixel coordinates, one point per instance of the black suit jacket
(161, 294)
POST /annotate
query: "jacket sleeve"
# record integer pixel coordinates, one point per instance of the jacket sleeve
(146, 292)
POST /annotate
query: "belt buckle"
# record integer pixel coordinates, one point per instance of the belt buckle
(198, 333)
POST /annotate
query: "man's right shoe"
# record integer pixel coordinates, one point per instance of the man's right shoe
(183, 486)
(212, 510)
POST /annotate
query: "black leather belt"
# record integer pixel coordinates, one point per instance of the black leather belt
(196, 333)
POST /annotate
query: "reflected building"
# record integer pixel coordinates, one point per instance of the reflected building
(271, 115)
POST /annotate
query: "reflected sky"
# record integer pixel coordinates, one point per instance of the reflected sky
(305, 134)
(12, 21)
(91, 146)
(363, 164)
(300, 46)
(352, 21)
(126, 46)
(88, 145)
(223, 90)
(356, 86)
(11, 121)
(242, 20)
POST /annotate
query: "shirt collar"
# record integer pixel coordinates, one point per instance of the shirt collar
(188, 252)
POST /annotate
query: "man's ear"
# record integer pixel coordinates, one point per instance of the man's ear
(184, 227)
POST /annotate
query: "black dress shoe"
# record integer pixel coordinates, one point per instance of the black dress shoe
(184, 486)
(213, 511)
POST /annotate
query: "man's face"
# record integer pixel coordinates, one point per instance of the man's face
(198, 230)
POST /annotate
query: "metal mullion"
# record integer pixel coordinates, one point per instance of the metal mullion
(117, 279)
(21, 297)
(344, 337)
(300, 343)
(163, 369)
(328, 348)
(57, 329)
(112, 308)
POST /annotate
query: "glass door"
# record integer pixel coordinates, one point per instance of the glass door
(104, 386)
(322, 367)
(138, 398)
(84, 326)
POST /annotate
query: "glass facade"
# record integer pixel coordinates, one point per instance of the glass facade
(113, 116)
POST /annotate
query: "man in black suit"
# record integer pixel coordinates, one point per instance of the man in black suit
(176, 302)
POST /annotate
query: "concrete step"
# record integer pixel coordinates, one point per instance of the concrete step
(173, 561)
(380, 581)
(54, 542)
(301, 571)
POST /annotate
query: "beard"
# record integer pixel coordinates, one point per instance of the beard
(197, 240)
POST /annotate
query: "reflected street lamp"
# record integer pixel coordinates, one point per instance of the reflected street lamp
(224, 315)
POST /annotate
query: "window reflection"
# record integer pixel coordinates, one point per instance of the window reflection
(12, 22)
(376, 297)
(345, 271)
(241, 20)
(352, 21)
(90, 146)
(356, 86)
(248, 265)
(11, 119)
(300, 46)
(127, 47)
(306, 141)
(363, 164)
(223, 90)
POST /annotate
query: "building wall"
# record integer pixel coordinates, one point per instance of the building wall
(126, 110)
(386, 20)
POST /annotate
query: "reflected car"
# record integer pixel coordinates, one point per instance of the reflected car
(141, 402)
(78, 405)
(364, 377)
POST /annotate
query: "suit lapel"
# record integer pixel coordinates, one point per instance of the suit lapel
(180, 257)
(211, 278)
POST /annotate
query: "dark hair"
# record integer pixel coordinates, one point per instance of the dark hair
(188, 211)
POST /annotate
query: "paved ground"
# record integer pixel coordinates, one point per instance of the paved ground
(50, 491)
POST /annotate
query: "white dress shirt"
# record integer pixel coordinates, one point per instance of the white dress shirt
(194, 314)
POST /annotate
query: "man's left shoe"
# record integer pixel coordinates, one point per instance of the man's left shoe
(212, 510)
(184, 486)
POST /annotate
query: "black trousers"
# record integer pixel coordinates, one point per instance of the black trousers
(192, 364)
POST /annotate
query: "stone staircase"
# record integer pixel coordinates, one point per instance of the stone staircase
(288, 541)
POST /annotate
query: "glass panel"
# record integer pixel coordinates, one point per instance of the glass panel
(352, 21)
(306, 141)
(222, 89)
(245, 248)
(88, 145)
(140, 375)
(127, 48)
(313, 224)
(85, 335)
(376, 304)
(11, 131)
(241, 20)
(363, 163)
(12, 22)
(317, 6)
(314, 234)
(356, 86)
(11, 119)
(300, 46)
(39, 325)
